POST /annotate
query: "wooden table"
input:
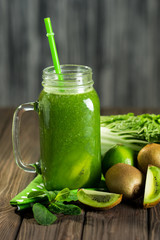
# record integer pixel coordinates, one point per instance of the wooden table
(122, 222)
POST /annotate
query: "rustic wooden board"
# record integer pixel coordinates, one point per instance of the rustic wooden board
(66, 227)
(154, 223)
(122, 222)
(12, 181)
(9, 222)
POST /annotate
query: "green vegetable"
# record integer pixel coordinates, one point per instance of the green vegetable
(72, 196)
(49, 194)
(130, 130)
(63, 194)
(68, 209)
(36, 195)
(55, 204)
(42, 215)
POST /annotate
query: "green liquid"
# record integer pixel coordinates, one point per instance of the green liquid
(70, 139)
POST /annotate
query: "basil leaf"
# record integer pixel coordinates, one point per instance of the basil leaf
(42, 215)
(63, 194)
(59, 207)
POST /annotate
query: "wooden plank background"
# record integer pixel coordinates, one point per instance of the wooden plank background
(120, 40)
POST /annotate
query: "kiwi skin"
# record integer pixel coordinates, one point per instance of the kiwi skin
(125, 179)
(149, 154)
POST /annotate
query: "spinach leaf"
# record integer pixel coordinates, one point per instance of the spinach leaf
(42, 215)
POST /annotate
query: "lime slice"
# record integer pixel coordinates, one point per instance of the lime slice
(152, 187)
(98, 200)
(117, 154)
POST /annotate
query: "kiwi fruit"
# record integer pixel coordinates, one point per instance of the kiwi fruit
(125, 179)
(152, 187)
(149, 154)
(98, 200)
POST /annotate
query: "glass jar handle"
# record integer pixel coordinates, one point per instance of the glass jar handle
(16, 133)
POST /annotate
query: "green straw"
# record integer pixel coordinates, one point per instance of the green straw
(52, 45)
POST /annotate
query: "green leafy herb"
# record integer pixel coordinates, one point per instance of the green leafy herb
(53, 207)
(35, 194)
(49, 194)
(63, 195)
(72, 196)
(130, 130)
(42, 215)
(69, 209)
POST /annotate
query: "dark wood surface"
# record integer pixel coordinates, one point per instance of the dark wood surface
(125, 221)
(119, 40)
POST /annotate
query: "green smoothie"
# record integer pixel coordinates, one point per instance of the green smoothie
(70, 139)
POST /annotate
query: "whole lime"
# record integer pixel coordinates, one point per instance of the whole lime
(117, 154)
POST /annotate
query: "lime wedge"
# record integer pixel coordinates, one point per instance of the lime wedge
(97, 199)
(152, 187)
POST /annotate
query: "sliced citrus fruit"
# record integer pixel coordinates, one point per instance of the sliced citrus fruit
(98, 200)
(152, 187)
(117, 154)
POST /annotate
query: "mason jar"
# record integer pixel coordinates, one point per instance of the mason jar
(69, 121)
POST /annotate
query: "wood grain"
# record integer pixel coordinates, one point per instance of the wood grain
(119, 40)
(9, 222)
(66, 228)
(12, 179)
(154, 223)
(122, 222)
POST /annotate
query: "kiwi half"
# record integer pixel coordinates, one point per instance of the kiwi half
(98, 200)
(152, 187)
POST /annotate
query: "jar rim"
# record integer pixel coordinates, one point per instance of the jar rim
(72, 79)
(68, 69)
